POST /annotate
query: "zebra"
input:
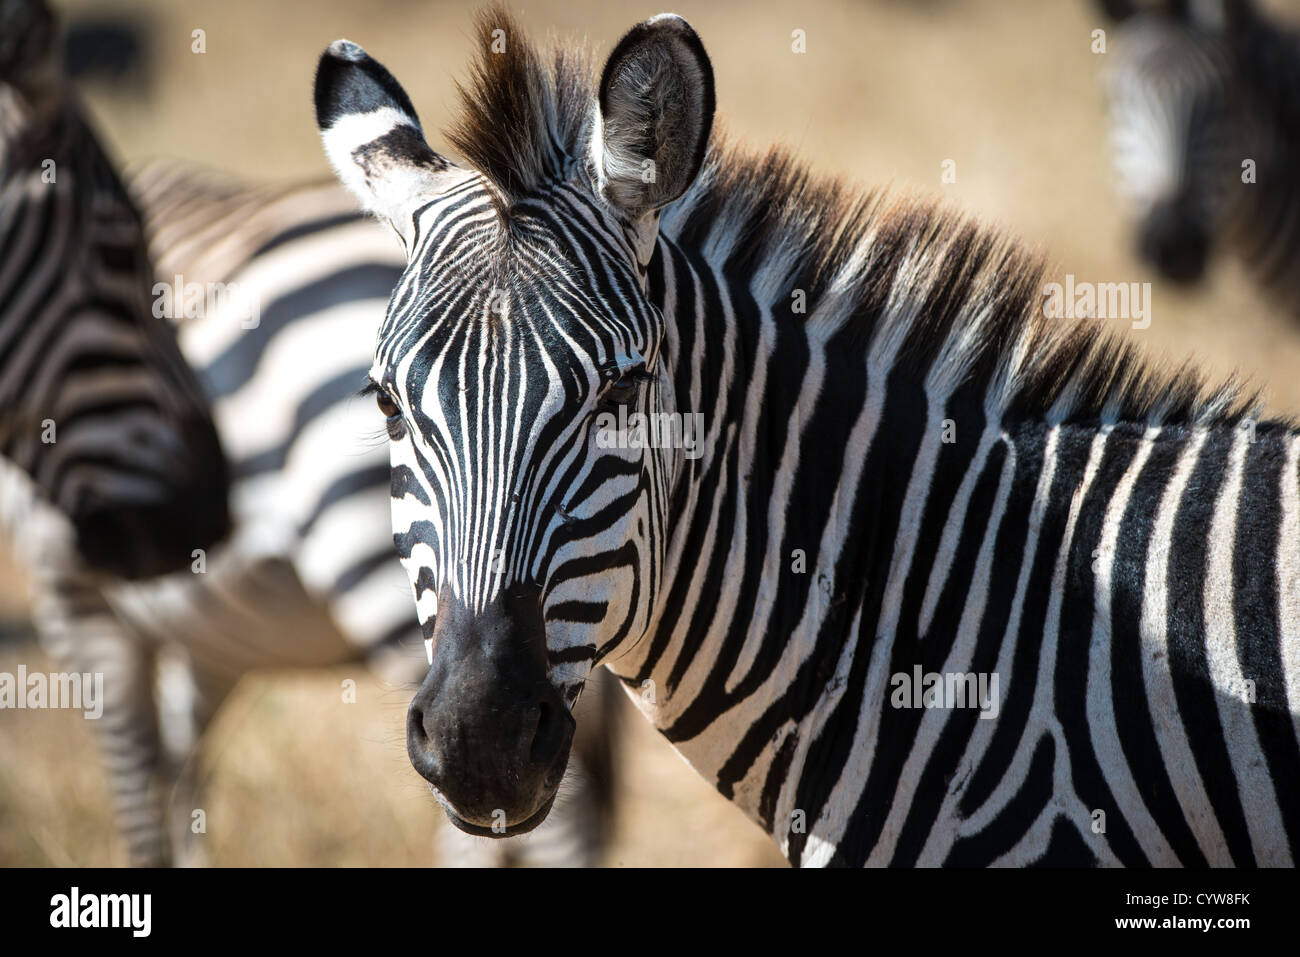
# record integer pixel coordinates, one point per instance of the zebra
(106, 441)
(310, 576)
(110, 465)
(307, 575)
(905, 465)
(1204, 105)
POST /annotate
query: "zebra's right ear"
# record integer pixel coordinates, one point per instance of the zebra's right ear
(373, 137)
(654, 115)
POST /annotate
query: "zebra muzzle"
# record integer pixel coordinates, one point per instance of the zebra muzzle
(487, 729)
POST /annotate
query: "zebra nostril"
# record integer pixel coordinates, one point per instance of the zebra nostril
(553, 778)
(415, 729)
(546, 739)
(419, 745)
(538, 726)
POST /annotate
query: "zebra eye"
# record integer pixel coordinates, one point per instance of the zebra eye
(624, 390)
(386, 404)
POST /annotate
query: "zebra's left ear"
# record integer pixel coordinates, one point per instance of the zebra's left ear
(653, 120)
(373, 137)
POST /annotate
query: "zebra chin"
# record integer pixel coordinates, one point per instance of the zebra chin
(488, 819)
(487, 728)
(496, 828)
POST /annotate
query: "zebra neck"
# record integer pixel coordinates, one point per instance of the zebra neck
(844, 527)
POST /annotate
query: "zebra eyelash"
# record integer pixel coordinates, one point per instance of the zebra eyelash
(393, 426)
(639, 374)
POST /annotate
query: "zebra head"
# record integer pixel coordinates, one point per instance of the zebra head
(99, 412)
(29, 67)
(1177, 127)
(517, 345)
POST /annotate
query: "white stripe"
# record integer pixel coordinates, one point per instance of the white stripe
(1165, 717)
(1288, 581)
(958, 661)
(1101, 706)
(1249, 764)
(940, 841)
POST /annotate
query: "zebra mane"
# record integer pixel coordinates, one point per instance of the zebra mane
(950, 300)
(523, 120)
(944, 298)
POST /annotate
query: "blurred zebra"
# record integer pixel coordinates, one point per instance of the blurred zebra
(110, 467)
(107, 453)
(941, 580)
(310, 577)
(1204, 107)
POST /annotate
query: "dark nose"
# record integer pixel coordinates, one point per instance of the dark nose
(1173, 241)
(487, 728)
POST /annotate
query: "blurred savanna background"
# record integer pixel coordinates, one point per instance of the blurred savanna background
(886, 92)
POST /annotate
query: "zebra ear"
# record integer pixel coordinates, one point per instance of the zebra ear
(373, 137)
(655, 113)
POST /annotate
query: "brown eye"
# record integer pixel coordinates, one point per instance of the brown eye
(625, 389)
(386, 405)
(622, 392)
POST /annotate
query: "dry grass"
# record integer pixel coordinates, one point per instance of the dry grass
(886, 92)
(297, 777)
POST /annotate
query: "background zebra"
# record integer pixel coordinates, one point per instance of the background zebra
(1204, 103)
(917, 473)
(102, 419)
(132, 478)
(307, 577)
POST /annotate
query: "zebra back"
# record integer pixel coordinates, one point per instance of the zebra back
(100, 411)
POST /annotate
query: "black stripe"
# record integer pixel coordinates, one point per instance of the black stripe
(1187, 652)
(1075, 645)
(1258, 628)
(1134, 722)
(1006, 830)
(231, 370)
(375, 476)
(341, 388)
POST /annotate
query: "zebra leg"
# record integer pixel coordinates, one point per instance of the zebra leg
(92, 641)
(189, 697)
